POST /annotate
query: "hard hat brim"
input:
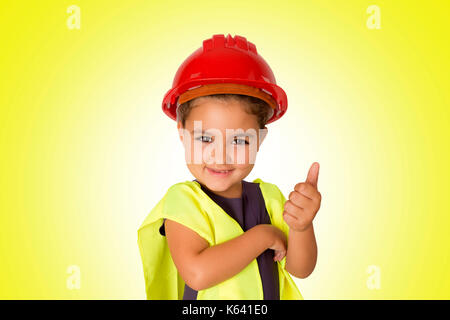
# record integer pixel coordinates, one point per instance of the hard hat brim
(270, 93)
(233, 88)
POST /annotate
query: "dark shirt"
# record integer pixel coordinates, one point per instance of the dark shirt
(249, 210)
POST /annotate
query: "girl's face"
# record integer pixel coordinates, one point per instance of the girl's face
(221, 141)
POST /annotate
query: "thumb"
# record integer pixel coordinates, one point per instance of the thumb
(313, 174)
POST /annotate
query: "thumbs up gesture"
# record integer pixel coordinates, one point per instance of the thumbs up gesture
(304, 202)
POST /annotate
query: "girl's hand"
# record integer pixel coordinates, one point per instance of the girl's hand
(278, 242)
(304, 202)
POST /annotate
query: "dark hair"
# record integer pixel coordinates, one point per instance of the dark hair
(253, 105)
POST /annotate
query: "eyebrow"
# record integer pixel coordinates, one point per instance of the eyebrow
(244, 135)
(197, 131)
(235, 135)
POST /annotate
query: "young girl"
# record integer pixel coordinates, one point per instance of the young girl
(219, 236)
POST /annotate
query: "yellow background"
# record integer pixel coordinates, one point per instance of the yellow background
(87, 151)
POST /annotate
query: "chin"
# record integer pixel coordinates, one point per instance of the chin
(218, 185)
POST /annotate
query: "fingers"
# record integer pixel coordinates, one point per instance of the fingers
(299, 200)
(290, 217)
(308, 191)
(279, 255)
(304, 202)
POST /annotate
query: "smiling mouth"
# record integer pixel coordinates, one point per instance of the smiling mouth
(219, 172)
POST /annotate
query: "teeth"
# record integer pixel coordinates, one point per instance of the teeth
(221, 171)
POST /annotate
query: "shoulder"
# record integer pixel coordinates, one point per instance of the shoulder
(270, 190)
(182, 187)
(183, 203)
(176, 197)
(184, 200)
(182, 192)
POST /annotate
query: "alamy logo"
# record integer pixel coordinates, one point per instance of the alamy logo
(74, 279)
(374, 20)
(374, 280)
(74, 20)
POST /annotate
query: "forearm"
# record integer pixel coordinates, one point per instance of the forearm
(301, 254)
(220, 262)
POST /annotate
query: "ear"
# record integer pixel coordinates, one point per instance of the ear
(180, 131)
(262, 135)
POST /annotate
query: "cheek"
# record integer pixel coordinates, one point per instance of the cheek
(245, 155)
(195, 169)
(244, 168)
(194, 152)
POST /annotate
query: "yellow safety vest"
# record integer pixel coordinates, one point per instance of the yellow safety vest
(188, 204)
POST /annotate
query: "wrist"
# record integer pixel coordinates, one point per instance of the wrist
(266, 235)
(303, 229)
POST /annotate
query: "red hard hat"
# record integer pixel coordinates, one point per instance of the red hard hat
(225, 65)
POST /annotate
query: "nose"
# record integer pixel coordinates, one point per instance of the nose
(220, 154)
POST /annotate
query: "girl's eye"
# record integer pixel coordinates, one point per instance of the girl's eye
(204, 139)
(240, 141)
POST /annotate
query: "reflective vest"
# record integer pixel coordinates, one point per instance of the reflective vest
(188, 204)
